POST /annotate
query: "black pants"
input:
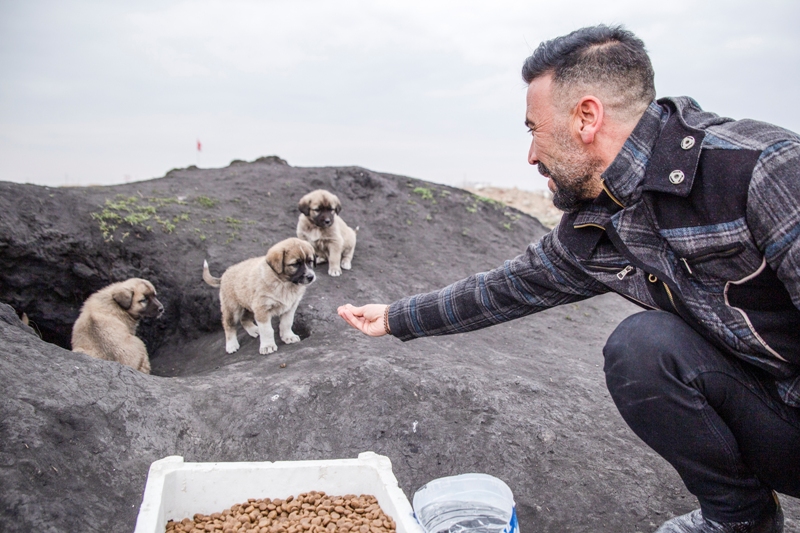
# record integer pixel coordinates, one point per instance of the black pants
(717, 420)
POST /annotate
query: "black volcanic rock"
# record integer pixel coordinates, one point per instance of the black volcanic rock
(524, 401)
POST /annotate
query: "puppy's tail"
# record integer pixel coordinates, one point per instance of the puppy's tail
(207, 277)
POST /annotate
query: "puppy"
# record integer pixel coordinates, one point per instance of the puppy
(333, 240)
(263, 287)
(106, 327)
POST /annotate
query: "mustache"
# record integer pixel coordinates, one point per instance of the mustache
(543, 170)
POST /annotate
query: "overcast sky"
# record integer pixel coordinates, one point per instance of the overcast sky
(101, 92)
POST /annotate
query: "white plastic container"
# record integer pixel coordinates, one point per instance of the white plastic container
(468, 503)
(177, 490)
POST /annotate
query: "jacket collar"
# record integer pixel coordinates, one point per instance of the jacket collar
(661, 154)
(657, 147)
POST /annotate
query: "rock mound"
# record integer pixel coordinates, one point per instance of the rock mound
(524, 401)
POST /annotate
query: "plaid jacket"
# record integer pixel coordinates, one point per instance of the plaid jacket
(700, 216)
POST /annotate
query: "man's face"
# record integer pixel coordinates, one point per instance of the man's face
(559, 155)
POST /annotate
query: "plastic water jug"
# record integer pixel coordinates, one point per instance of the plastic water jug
(467, 503)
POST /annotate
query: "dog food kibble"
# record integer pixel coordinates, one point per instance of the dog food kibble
(310, 512)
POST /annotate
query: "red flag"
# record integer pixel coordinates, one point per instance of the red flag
(199, 146)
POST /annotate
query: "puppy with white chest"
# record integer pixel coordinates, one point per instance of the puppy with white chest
(106, 327)
(319, 223)
(263, 287)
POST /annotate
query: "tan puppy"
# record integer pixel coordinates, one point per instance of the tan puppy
(106, 327)
(263, 287)
(333, 240)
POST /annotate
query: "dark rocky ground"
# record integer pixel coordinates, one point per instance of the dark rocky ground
(524, 401)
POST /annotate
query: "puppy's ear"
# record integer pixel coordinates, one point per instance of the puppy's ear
(275, 259)
(123, 297)
(336, 204)
(304, 206)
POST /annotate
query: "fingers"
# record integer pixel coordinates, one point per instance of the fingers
(346, 312)
(368, 319)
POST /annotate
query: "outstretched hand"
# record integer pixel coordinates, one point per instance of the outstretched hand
(368, 319)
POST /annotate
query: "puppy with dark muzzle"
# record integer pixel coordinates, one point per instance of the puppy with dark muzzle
(320, 224)
(106, 327)
(263, 287)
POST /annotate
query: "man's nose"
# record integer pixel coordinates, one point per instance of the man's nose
(533, 158)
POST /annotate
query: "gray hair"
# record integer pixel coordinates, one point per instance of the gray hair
(608, 60)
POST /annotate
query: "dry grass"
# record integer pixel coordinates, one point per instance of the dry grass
(535, 203)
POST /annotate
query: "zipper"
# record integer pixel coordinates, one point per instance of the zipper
(624, 272)
(621, 270)
(708, 255)
(686, 264)
(589, 225)
(653, 279)
(613, 198)
(671, 300)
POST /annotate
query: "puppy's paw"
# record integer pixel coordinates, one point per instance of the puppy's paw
(232, 345)
(321, 260)
(334, 271)
(346, 265)
(252, 330)
(291, 339)
(267, 349)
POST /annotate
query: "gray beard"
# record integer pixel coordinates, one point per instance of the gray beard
(569, 195)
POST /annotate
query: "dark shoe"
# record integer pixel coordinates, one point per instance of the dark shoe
(695, 523)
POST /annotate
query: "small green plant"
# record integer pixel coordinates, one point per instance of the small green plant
(472, 208)
(235, 226)
(135, 212)
(507, 225)
(425, 193)
(139, 216)
(168, 226)
(490, 201)
(205, 201)
(161, 202)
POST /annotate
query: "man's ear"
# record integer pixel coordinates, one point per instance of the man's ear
(275, 259)
(588, 118)
(123, 297)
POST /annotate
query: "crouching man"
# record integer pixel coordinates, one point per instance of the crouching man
(694, 217)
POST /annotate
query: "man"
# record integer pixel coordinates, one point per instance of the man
(694, 217)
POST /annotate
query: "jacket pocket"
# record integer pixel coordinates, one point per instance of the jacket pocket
(712, 265)
(621, 270)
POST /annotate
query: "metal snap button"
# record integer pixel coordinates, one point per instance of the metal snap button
(687, 142)
(676, 177)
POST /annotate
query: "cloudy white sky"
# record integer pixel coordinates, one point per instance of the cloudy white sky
(101, 92)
